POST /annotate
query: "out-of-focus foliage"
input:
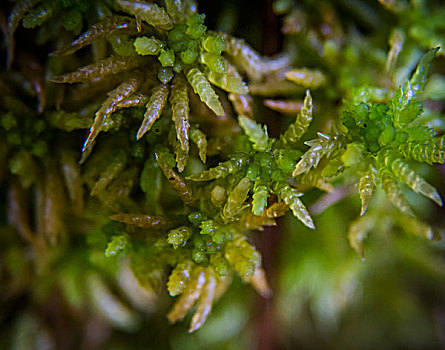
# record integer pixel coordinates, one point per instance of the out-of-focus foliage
(200, 150)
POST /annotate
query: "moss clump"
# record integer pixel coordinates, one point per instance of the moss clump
(195, 143)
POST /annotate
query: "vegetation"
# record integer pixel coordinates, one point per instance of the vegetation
(198, 147)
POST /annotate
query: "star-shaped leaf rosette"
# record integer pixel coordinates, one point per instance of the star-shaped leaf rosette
(200, 247)
(157, 53)
(378, 141)
(265, 171)
(207, 242)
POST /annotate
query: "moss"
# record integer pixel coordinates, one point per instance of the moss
(196, 143)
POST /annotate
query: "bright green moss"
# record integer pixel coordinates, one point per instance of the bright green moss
(286, 160)
(183, 173)
(353, 154)
(220, 264)
(177, 38)
(189, 56)
(178, 237)
(147, 46)
(215, 62)
(260, 194)
(167, 58)
(165, 75)
(195, 27)
(199, 257)
(117, 246)
(253, 171)
(214, 44)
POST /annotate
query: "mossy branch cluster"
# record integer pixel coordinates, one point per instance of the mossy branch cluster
(183, 171)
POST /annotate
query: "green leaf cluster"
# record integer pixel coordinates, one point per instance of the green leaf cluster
(196, 141)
